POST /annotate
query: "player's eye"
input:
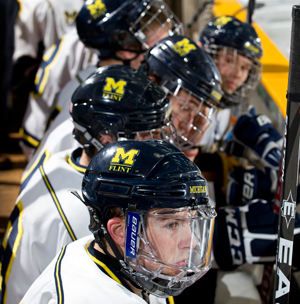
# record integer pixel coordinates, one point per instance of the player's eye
(172, 225)
(229, 59)
(246, 68)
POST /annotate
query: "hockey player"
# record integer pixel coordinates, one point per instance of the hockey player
(151, 224)
(118, 32)
(46, 215)
(236, 49)
(193, 83)
(39, 25)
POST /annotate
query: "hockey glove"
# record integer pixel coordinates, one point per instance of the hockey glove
(247, 184)
(249, 234)
(254, 138)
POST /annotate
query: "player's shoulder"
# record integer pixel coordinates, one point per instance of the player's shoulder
(52, 180)
(80, 77)
(30, 4)
(56, 164)
(59, 160)
(84, 74)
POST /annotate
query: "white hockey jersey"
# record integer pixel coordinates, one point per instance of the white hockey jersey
(43, 21)
(60, 64)
(220, 123)
(59, 135)
(45, 218)
(77, 276)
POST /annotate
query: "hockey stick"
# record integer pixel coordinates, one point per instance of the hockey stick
(289, 170)
(251, 7)
(199, 11)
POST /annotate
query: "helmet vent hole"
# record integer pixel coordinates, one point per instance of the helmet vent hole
(178, 190)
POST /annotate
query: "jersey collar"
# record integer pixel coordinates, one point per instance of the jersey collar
(73, 160)
(109, 271)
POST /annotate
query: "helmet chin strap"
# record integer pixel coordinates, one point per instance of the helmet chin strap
(127, 61)
(116, 262)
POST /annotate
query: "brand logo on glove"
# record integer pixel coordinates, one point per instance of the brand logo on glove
(127, 159)
(97, 9)
(288, 209)
(234, 236)
(183, 47)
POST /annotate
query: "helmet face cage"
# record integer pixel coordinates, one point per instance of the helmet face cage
(156, 21)
(219, 54)
(167, 133)
(169, 249)
(191, 114)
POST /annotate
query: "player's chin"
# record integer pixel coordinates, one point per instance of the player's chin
(191, 153)
(230, 87)
(171, 271)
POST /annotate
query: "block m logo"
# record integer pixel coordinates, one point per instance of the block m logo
(128, 157)
(183, 47)
(114, 90)
(97, 9)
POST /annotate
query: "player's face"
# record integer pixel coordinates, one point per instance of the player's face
(154, 134)
(171, 240)
(190, 119)
(234, 69)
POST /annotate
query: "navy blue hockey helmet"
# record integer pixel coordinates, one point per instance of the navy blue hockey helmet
(227, 33)
(110, 25)
(149, 174)
(117, 102)
(163, 197)
(178, 63)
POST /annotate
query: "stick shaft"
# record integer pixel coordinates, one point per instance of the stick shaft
(289, 170)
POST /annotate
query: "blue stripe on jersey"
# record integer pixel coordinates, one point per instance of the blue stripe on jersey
(48, 61)
(57, 204)
(9, 247)
(42, 160)
(57, 277)
(112, 273)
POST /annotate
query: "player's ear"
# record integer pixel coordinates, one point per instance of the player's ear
(199, 44)
(115, 228)
(154, 79)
